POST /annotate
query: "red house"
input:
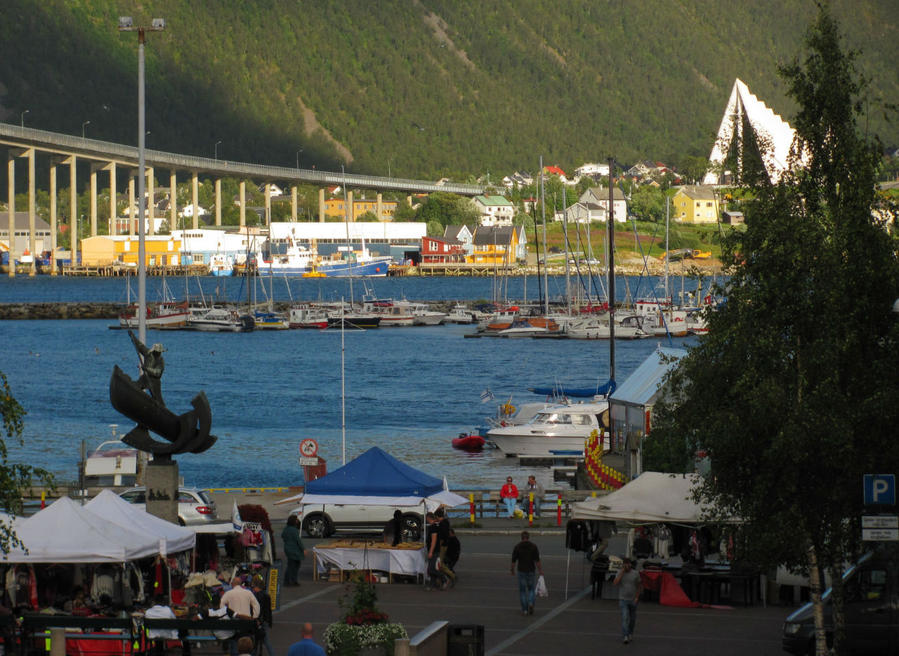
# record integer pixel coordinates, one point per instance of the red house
(440, 250)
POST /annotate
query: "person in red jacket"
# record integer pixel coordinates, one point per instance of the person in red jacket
(509, 494)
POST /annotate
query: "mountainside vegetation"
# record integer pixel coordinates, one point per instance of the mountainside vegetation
(420, 88)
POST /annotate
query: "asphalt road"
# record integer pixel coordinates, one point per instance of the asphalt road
(574, 624)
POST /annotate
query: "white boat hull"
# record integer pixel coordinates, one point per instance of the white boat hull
(537, 445)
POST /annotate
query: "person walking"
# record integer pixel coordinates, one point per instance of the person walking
(307, 646)
(293, 549)
(527, 556)
(509, 494)
(443, 536)
(629, 587)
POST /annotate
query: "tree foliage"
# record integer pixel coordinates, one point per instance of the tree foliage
(14, 477)
(794, 393)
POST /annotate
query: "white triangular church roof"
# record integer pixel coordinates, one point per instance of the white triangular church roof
(769, 126)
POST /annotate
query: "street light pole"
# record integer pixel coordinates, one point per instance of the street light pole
(83, 125)
(126, 24)
(298, 157)
(217, 149)
(22, 117)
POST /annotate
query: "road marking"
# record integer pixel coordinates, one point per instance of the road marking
(314, 595)
(511, 640)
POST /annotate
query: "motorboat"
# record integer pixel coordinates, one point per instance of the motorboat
(113, 464)
(555, 430)
(392, 313)
(267, 320)
(469, 442)
(596, 326)
(460, 314)
(529, 327)
(218, 319)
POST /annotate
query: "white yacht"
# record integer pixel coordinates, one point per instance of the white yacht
(217, 319)
(556, 429)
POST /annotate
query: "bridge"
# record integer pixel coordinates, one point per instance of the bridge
(103, 156)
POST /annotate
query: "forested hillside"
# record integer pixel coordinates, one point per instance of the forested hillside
(424, 88)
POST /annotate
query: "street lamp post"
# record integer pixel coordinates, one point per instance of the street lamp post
(126, 24)
(22, 117)
(83, 125)
(217, 149)
(298, 157)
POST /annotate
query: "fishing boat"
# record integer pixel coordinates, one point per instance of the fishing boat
(469, 442)
(221, 265)
(559, 428)
(167, 314)
(307, 315)
(392, 313)
(218, 319)
(460, 313)
(362, 264)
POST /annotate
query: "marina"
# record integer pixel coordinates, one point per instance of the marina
(409, 391)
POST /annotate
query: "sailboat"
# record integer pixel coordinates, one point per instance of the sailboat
(168, 313)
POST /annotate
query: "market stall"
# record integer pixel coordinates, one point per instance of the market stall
(342, 556)
(376, 478)
(665, 530)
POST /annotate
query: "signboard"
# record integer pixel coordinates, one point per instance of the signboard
(880, 489)
(880, 521)
(880, 534)
(309, 462)
(308, 448)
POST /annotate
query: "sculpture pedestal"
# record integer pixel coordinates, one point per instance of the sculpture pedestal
(162, 489)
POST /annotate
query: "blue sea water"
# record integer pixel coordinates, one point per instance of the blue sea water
(407, 390)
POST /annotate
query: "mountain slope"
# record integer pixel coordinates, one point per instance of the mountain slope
(424, 87)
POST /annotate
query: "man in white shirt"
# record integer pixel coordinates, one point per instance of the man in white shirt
(243, 606)
(160, 611)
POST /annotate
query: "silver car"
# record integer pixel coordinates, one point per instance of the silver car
(195, 506)
(322, 520)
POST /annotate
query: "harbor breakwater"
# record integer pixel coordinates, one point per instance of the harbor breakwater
(60, 310)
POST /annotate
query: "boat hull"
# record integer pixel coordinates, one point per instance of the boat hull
(537, 445)
(470, 442)
(372, 269)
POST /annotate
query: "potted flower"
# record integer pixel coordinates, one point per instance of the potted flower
(364, 629)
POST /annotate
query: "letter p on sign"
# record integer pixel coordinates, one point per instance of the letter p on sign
(880, 490)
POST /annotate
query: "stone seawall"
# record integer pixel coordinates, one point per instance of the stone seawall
(60, 310)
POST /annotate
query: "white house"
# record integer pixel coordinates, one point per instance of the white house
(494, 210)
(600, 196)
(581, 212)
(461, 233)
(592, 170)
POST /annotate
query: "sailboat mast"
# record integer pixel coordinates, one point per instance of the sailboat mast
(342, 382)
(565, 233)
(667, 204)
(346, 222)
(543, 212)
(611, 269)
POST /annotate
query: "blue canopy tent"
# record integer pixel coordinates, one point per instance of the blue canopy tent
(377, 478)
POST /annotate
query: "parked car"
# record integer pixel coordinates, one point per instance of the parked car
(871, 611)
(322, 520)
(195, 506)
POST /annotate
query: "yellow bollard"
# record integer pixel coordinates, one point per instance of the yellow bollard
(471, 508)
(530, 508)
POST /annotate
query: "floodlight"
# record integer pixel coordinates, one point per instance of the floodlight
(126, 22)
(158, 24)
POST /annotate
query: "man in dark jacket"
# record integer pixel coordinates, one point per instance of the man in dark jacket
(294, 550)
(265, 614)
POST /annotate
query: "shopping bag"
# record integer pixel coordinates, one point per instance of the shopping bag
(541, 587)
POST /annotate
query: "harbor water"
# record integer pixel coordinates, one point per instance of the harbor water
(406, 390)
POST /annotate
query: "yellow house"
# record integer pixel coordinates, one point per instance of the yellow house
(494, 245)
(336, 208)
(695, 204)
(103, 250)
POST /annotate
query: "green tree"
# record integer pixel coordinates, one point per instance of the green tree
(14, 477)
(794, 393)
(447, 209)
(648, 203)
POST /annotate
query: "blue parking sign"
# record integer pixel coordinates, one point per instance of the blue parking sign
(880, 490)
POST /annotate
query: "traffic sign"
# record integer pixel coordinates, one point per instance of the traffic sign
(309, 462)
(880, 534)
(880, 489)
(880, 521)
(309, 448)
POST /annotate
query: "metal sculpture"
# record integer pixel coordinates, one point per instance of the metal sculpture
(185, 433)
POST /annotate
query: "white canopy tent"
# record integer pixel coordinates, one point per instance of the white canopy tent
(64, 532)
(171, 538)
(651, 497)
